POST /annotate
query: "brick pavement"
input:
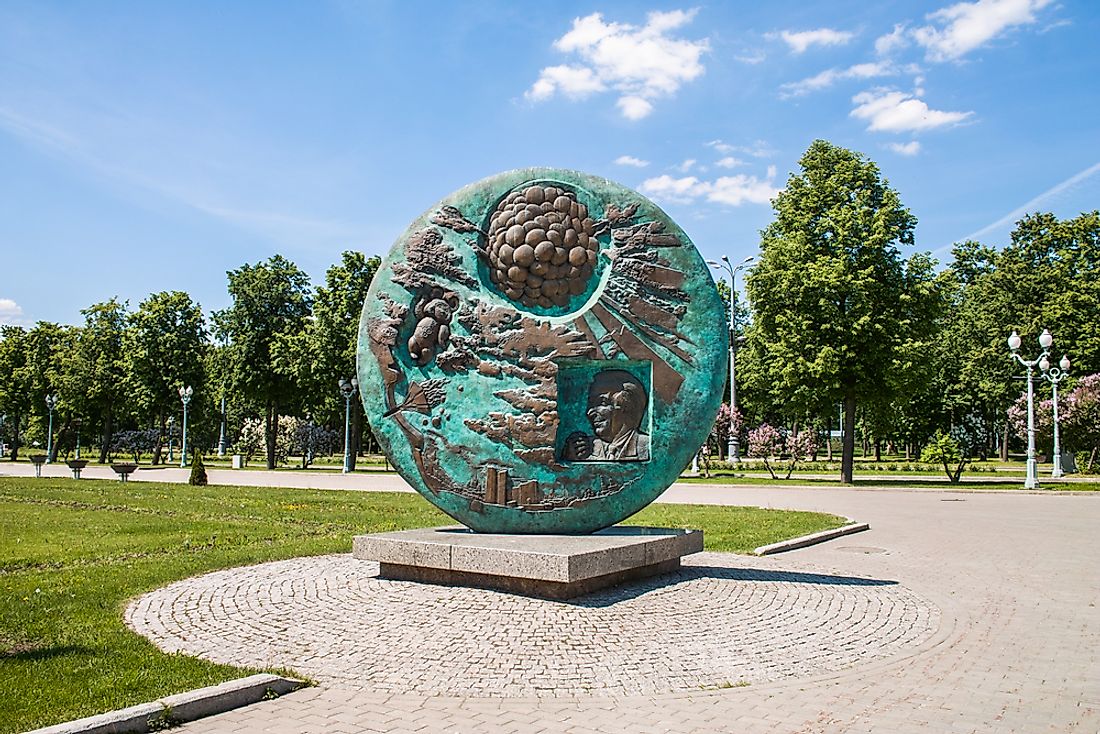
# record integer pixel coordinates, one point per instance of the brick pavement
(1017, 577)
(722, 620)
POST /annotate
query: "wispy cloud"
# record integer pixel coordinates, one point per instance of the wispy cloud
(800, 41)
(729, 162)
(758, 149)
(11, 313)
(895, 40)
(1033, 205)
(893, 111)
(686, 165)
(629, 160)
(958, 29)
(727, 190)
(908, 149)
(829, 77)
(88, 149)
(639, 63)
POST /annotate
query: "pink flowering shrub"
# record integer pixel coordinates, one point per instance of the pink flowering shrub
(770, 444)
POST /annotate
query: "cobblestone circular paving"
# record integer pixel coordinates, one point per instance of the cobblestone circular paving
(723, 620)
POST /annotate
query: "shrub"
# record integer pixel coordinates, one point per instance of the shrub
(198, 470)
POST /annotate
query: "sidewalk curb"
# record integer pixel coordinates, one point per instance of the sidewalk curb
(811, 539)
(180, 708)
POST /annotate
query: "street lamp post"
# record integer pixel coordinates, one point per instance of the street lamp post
(347, 389)
(51, 403)
(1055, 375)
(185, 398)
(733, 450)
(171, 430)
(1031, 481)
(76, 424)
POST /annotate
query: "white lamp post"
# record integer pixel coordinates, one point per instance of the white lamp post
(1031, 481)
(1055, 375)
(171, 433)
(185, 398)
(733, 442)
(347, 389)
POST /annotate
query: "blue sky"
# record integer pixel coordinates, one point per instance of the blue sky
(153, 146)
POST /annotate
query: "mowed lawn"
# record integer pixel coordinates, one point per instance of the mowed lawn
(72, 553)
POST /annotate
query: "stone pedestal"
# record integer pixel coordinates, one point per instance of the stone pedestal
(545, 566)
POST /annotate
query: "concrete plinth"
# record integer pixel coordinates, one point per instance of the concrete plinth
(545, 566)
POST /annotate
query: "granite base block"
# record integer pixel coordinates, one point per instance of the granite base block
(545, 566)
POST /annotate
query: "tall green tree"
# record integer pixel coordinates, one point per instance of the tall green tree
(830, 291)
(271, 302)
(97, 369)
(164, 350)
(15, 389)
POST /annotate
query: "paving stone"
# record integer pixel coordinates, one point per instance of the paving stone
(1012, 577)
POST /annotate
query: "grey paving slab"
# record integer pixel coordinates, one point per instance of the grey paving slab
(1016, 578)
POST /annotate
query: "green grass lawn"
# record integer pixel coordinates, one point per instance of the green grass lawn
(72, 553)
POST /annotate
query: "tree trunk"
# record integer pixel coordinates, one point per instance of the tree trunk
(829, 444)
(15, 438)
(848, 454)
(1004, 443)
(105, 447)
(271, 427)
(356, 433)
(160, 440)
(878, 449)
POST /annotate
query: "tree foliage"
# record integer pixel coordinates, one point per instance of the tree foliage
(834, 304)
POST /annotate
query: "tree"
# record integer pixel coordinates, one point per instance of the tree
(164, 350)
(271, 302)
(326, 352)
(15, 390)
(830, 293)
(98, 368)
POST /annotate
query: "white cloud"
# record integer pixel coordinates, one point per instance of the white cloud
(752, 57)
(728, 190)
(892, 41)
(893, 111)
(634, 107)
(11, 313)
(629, 160)
(759, 149)
(910, 148)
(829, 77)
(686, 166)
(799, 41)
(729, 162)
(640, 63)
(575, 82)
(966, 26)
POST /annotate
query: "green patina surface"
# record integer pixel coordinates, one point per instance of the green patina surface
(542, 352)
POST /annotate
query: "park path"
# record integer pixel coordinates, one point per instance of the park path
(1015, 575)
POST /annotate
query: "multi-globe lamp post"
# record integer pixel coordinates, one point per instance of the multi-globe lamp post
(1031, 481)
(347, 389)
(51, 405)
(733, 451)
(1055, 375)
(185, 398)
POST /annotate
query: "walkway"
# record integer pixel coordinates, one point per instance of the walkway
(1015, 578)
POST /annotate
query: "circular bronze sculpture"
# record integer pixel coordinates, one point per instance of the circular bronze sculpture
(542, 352)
